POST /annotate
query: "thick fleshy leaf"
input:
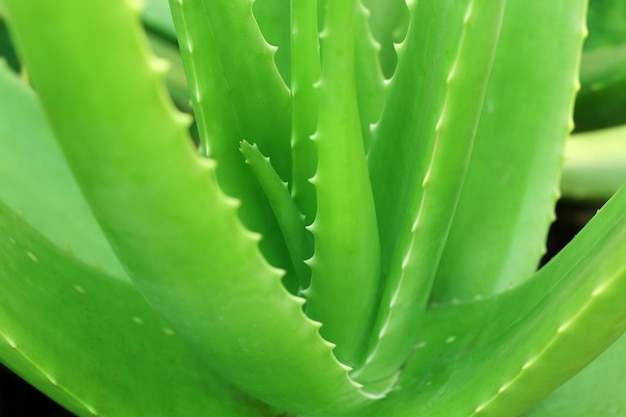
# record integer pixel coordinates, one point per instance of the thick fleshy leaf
(273, 18)
(368, 74)
(36, 182)
(598, 390)
(423, 144)
(345, 266)
(306, 71)
(607, 23)
(237, 94)
(299, 241)
(498, 233)
(92, 343)
(595, 164)
(160, 206)
(499, 356)
(158, 18)
(389, 23)
(7, 51)
(601, 100)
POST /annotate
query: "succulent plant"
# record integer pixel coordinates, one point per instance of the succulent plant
(337, 244)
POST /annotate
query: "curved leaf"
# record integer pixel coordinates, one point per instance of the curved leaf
(598, 390)
(37, 183)
(92, 343)
(595, 164)
(345, 266)
(601, 100)
(237, 94)
(506, 206)
(442, 146)
(160, 206)
(499, 356)
(306, 69)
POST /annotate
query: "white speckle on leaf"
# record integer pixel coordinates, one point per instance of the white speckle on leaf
(138, 320)
(32, 256)
(79, 289)
(468, 13)
(597, 291)
(528, 364)
(51, 379)
(563, 327)
(11, 343)
(504, 388)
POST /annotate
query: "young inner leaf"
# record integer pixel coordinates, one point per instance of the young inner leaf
(345, 267)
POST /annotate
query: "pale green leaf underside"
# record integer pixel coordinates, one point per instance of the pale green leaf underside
(157, 17)
(37, 183)
(595, 164)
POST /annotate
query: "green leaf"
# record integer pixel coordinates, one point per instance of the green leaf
(389, 23)
(92, 343)
(416, 201)
(175, 79)
(160, 206)
(158, 18)
(368, 74)
(601, 100)
(299, 240)
(226, 32)
(598, 390)
(607, 23)
(7, 51)
(498, 232)
(37, 183)
(237, 94)
(273, 18)
(499, 356)
(306, 70)
(345, 266)
(595, 164)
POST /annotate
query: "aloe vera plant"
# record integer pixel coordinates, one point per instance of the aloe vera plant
(339, 244)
